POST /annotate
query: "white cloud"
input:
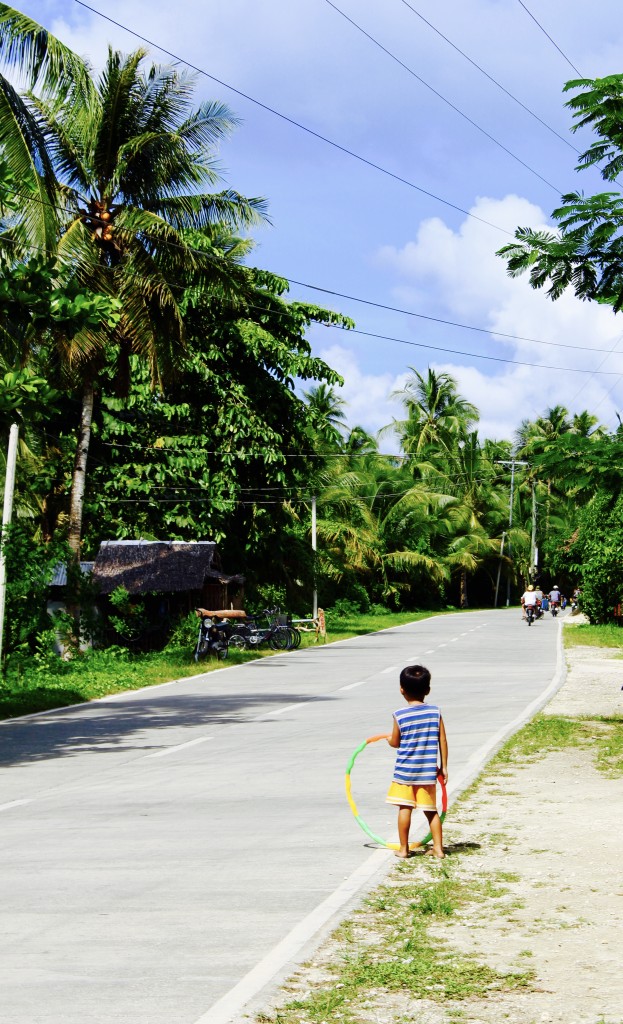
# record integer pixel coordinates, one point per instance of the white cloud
(367, 395)
(460, 274)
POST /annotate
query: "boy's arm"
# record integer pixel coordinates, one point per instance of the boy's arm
(443, 749)
(394, 738)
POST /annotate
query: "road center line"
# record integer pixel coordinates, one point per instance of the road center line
(288, 707)
(179, 746)
(441, 645)
(351, 686)
(386, 671)
(432, 651)
(14, 803)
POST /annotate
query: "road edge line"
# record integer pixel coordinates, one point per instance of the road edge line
(285, 953)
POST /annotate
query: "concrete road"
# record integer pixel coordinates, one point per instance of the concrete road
(164, 854)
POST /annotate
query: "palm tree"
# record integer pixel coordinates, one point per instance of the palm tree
(327, 413)
(132, 164)
(437, 416)
(36, 58)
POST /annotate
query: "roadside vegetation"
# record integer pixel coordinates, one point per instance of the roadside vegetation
(165, 387)
(42, 681)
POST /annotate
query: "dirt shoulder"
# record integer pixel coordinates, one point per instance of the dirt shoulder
(523, 921)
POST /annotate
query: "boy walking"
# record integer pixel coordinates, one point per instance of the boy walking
(418, 733)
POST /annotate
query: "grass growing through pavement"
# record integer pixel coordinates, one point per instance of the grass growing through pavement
(44, 681)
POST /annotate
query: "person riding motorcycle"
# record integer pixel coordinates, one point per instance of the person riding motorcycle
(554, 595)
(529, 599)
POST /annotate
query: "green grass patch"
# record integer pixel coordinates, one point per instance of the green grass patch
(547, 733)
(404, 956)
(344, 627)
(584, 635)
(609, 754)
(540, 736)
(46, 682)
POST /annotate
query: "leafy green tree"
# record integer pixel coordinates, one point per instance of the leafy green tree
(586, 253)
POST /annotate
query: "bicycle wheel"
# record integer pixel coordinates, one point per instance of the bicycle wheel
(238, 642)
(278, 640)
(294, 638)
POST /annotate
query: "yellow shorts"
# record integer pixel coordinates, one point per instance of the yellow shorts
(422, 797)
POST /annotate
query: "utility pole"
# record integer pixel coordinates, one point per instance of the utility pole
(497, 582)
(313, 527)
(534, 556)
(512, 463)
(9, 487)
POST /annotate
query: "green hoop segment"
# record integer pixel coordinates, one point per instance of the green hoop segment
(362, 824)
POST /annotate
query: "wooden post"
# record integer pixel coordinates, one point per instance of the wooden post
(7, 512)
(313, 526)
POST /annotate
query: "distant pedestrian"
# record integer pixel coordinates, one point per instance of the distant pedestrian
(419, 735)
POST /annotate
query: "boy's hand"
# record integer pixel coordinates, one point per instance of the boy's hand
(444, 772)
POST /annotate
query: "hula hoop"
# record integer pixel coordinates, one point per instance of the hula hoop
(353, 806)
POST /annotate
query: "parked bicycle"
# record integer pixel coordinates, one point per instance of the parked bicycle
(277, 634)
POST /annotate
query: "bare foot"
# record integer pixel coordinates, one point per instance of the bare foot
(401, 855)
(437, 854)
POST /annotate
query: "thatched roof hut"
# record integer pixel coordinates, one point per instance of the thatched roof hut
(163, 567)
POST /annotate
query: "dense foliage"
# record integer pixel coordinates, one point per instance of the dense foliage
(165, 388)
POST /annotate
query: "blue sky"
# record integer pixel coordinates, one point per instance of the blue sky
(344, 226)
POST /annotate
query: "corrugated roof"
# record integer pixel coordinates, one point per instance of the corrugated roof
(59, 576)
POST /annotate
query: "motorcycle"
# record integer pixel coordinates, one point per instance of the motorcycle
(212, 638)
(530, 613)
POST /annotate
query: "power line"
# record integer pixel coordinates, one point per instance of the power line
(490, 77)
(261, 453)
(405, 312)
(443, 98)
(554, 44)
(475, 355)
(394, 309)
(292, 121)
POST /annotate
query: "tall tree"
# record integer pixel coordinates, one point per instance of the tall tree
(132, 163)
(437, 415)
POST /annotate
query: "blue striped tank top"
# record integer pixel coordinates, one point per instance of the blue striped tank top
(416, 757)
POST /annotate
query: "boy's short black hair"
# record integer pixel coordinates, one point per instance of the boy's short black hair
(415, 681)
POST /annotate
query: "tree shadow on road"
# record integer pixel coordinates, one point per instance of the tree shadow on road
(104, 726)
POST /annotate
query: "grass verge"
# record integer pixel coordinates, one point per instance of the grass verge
(394, 949)
(47, 682)
(388, 951)
(547, 733)
(584, 635)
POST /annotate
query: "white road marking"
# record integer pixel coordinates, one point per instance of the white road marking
(179, 746)
(454, 639)
(14, 803)
(441, 645)
(288, 707)
(432, 651)
(386, 671)
(351, 686)
(228, 1008)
